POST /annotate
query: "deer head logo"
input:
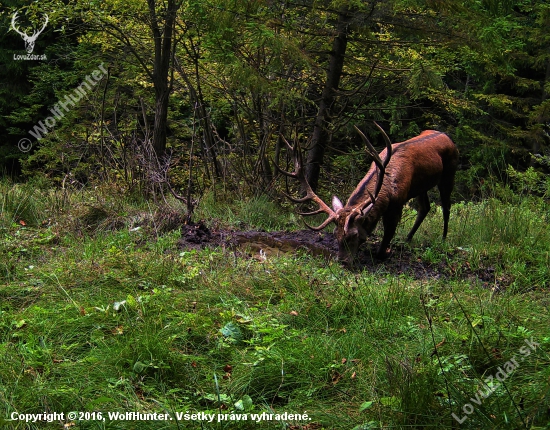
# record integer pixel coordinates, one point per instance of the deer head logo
(29, 40)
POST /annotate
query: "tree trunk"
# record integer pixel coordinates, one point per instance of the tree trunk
(164, 47)
(320, 135)
(161, 120)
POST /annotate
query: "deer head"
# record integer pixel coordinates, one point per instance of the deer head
(351, 220)
(29, 40)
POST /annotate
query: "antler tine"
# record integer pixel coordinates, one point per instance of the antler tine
(365, 206)
(388, 144)
(310, 194)
(288, 145)
(297, 159)
(320, 226)
(279, 169)
(371, 196)
(284, 172)
(377, 160)
(382, 169)
(297, 200)
(317, 212)
(370, 149)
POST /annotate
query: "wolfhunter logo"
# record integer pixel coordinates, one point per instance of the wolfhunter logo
(29, 40)
(58, 110)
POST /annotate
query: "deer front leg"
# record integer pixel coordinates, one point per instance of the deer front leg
(390, 220)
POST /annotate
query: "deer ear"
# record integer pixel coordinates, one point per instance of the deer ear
(336, 204)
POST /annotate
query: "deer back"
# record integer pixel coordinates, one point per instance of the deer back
(416, 166)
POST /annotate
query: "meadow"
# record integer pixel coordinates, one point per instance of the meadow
(104, 315)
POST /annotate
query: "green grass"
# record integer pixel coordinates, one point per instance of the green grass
(112, 319)
(258, 213)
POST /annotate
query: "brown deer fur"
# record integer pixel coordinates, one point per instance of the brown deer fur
(416, 166)
(410, 169)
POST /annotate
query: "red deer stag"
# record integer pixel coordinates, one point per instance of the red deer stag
(409, 169)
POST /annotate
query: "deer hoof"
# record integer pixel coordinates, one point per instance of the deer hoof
(383, 254)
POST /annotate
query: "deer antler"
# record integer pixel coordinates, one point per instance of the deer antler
(377, 160)
(310, 194)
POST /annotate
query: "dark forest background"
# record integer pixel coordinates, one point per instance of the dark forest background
(198, 93)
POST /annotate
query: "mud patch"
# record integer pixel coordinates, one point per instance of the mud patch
(282, 242)
(261, 245)
(198, 236)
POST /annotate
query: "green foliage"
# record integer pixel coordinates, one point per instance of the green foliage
(259, 212)
(19, 204)
(529, 182)
(246, 71)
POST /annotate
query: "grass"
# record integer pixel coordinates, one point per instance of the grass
(258, 213)
(114, 318)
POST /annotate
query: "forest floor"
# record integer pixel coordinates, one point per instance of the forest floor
(111, 306)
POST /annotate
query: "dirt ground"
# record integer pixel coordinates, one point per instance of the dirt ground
(261, 245)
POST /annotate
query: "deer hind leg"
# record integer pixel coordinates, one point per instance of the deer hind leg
(445, 189)
(423, 208)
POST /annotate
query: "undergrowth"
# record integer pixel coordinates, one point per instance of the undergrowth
(105, 316)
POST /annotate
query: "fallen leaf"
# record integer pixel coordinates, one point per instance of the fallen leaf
(118, 330)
